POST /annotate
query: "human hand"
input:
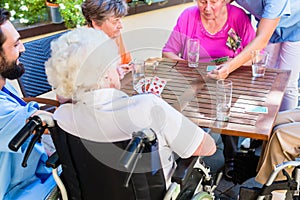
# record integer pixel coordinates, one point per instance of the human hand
(124, 69)
(41, 112)
(63, 100)
(44, 113)
(221, 72)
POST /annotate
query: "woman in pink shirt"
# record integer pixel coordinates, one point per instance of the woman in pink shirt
(223, 30)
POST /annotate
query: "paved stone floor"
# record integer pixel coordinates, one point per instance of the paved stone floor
(228, 191)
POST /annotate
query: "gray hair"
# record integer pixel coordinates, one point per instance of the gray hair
(79, 61)
(100, 10)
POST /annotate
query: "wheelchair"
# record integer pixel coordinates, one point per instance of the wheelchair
(132, 170)
(291, 184)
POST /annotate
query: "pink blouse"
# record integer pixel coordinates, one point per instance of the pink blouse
(189, 25)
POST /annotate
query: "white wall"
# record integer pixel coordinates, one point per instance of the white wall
(146, 33)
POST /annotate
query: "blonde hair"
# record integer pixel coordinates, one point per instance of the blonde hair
(79, 59)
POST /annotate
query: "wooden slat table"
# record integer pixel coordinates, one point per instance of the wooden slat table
(193, 94)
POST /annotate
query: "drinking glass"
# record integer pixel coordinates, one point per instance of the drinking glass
(138, 75)
(193, 52)
(223, 99)
(259, 62)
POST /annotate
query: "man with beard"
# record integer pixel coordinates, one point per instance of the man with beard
(35, 181)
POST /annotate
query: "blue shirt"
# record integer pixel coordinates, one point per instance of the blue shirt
(15, 181)
(288, 10)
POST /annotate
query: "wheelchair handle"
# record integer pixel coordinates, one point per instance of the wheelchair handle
(28, 128)
(24, 133)
(132, 151)
(136, 146)
(37, 136)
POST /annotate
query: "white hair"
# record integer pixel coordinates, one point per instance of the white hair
(79, 60)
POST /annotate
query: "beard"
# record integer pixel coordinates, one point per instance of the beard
(12, 69)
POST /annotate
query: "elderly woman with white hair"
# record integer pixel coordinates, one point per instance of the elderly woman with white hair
(83, 68)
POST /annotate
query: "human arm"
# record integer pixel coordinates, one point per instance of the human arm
(264, 32)
(13, 118)
(207, 147)
(125, 56)
(173, 46)
(123, 69)
(171, 55)
(176, 44)
(183, 136)
(13, 114)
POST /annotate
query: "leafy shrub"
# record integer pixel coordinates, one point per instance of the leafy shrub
(26, 11)
(70, 11)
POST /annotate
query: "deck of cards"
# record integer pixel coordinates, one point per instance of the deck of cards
(153, 85)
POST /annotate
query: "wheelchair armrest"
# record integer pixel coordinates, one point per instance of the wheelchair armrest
(183, 170)
(53, 161)
(50, 104)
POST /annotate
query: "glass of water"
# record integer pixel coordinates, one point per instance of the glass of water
(193, 52)
(223, 99)
(138, 75)
(259, 63)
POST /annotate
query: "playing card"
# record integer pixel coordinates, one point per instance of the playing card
(140, 86)
(157, 85)
(143, 85)
(256, 109)
(210, 68)
(148, 81)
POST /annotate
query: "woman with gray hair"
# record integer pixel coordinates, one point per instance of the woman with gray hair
(74, 68)
(106, 15)
(82, 67)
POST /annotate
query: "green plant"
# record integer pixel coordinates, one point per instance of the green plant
(26, 11)
(52, 1)
(70, 11)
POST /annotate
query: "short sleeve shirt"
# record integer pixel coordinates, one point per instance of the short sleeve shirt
(109, 115)
(288, 10)
(13, 177)
(189, 25)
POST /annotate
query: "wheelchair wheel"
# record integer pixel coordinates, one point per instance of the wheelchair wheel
(202, 196)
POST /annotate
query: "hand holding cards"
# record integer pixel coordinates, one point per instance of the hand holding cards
(153, 85)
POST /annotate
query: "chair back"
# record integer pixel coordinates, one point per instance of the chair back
(34, 81)
(90, 172)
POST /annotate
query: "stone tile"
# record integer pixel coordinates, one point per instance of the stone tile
(224, 185)
(227, 190)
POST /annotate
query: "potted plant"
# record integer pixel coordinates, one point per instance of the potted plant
(51, 3)
(53, 10)
(70, 11)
